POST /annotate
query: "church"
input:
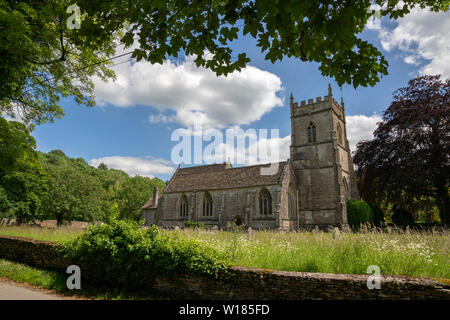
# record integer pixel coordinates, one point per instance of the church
(309, 189)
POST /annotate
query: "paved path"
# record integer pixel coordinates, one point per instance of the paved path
(12, 292)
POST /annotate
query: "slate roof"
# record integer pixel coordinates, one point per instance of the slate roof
(221, 176)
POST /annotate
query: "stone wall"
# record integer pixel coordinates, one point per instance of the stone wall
(258, 284)
(247, 283)
(35, 253)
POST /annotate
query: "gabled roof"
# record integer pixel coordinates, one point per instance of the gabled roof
(221, 176)
(149, 203)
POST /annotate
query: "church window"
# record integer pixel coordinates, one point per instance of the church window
(183, 206)
(346, 189)
(207, 205)
(339, 133)
(265, 203)
(312, 133)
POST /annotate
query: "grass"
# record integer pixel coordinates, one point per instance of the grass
(56, 281)
(411, 253)
(59, 234)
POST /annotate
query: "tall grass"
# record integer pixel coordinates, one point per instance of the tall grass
(410, 253)
(421, 254)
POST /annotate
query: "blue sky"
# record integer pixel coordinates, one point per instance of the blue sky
(131, 126)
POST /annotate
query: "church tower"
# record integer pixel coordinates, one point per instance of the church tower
(322, 162)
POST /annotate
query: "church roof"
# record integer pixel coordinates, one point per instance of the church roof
(221, 176)
(149, 203)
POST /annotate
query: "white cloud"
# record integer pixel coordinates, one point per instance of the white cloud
(257, 150)
(374, 22)
(423, 38)
(186, 92)
(360, 127)
(146, 167)
(15, 113)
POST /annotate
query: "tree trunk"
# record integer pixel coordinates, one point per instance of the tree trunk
(59, 219)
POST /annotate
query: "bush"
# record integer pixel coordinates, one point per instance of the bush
(358, 212)
(194, 225)
(402, 218)
(123, 255)
(376, 214)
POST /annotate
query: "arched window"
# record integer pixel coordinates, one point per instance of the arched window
(291, 201)
(311, 133)
(183, 206)
(339, 133)
(346, 189)
(265, 203)
(207, 205)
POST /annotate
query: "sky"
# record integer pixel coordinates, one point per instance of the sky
(132, 124)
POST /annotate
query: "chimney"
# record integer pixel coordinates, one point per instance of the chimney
(155, 197)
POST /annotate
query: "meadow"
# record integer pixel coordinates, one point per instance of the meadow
(408, 253)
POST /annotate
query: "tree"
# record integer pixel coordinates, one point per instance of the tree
(102, 166)
(22, 178)
(358, 212)
(133, 193)
(41, 59)
(409, 158)
(73, 195)
(402, 218)
(16, 145)
(323, 31)
(377, 216)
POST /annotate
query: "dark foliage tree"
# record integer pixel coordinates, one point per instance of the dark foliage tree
(409, 158)
(402, 218)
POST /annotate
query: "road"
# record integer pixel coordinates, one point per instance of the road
(14, 292)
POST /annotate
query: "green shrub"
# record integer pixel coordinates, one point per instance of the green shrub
(123, 255)
(194, 225)
(358, 212)
(402, 218)
(377, 215)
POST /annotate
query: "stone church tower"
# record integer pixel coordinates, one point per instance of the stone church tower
(321, 161)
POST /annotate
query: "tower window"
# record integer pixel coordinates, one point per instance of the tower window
(312, 133)
(347, 193)
(207, 205)
(265, 203)
(339, 133)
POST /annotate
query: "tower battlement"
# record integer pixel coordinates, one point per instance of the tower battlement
(309, 102)
(317, 105)
(316, 101)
